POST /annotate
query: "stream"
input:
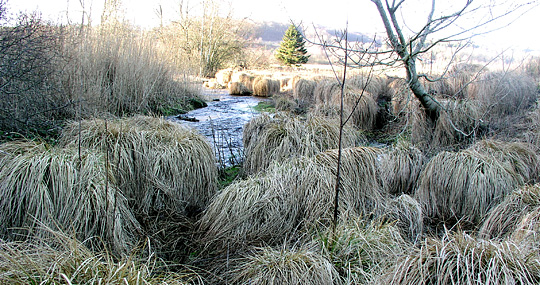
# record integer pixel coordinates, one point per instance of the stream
(222, 123)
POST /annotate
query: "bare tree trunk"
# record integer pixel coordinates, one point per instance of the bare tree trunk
(401, 46)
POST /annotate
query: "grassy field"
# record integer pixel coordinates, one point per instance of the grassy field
(106, 191)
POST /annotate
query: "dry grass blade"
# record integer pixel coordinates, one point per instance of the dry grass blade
(51, 186)
(361, 193)
(503, 220)
(268, 139)
(268, 208)
(159, 165)
(517, 157)
(237, 88)
(360, 250)
(267, 265)
(461, 259)
(265, 87)
(303, 91)
(463, 186)
(408, 216)
(64, 260)
(400, 167)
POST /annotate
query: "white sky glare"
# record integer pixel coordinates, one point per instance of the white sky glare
(361, 15)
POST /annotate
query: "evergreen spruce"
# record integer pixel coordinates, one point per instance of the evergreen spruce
(292, 50)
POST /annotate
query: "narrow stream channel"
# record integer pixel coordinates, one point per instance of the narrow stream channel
(222, 122)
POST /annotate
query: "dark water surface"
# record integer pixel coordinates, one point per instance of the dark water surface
(222, 123)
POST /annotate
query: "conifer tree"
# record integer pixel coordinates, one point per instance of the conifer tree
(292, 50)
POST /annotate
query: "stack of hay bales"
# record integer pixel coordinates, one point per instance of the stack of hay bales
(72, 190)
(277, 138)
(160, 166)
(265, 87)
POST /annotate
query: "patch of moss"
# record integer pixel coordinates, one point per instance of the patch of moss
(228, 175)
(268, 107)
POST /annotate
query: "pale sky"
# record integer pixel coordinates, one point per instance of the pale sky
(361, 15)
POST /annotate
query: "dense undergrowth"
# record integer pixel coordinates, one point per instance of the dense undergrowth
(122, 196)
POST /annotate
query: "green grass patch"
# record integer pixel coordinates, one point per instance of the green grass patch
(267, 107)
(228, 175)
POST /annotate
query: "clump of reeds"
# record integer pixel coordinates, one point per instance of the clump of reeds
(160, 166)
(361, 250)
(378, 86)
(245, 78)
(458, 258)
(265, 87)
(504, 93)
(268, 208)
(303, 91)
(237, 88)
(408, 216)
(68, 189)
(400, 167)
(268, 139)
(517, 157)
(284, 265)
(61, 259)
(361, 194)
(463, 186)
(324, 90)
(224, 76)
(504, 219)
(458, 123)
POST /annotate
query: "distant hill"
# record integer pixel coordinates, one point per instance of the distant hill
(272, 32)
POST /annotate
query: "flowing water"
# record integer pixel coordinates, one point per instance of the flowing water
(222, 122)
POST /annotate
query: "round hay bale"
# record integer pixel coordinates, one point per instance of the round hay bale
(160, 166)
(70, 190)
(224, 76)
(267, 265)
(265, 87)
(237, 88)
(511, 215)
(400, 167)
(303, 91)
(458, 258)
(463, 186)
(283, 136)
